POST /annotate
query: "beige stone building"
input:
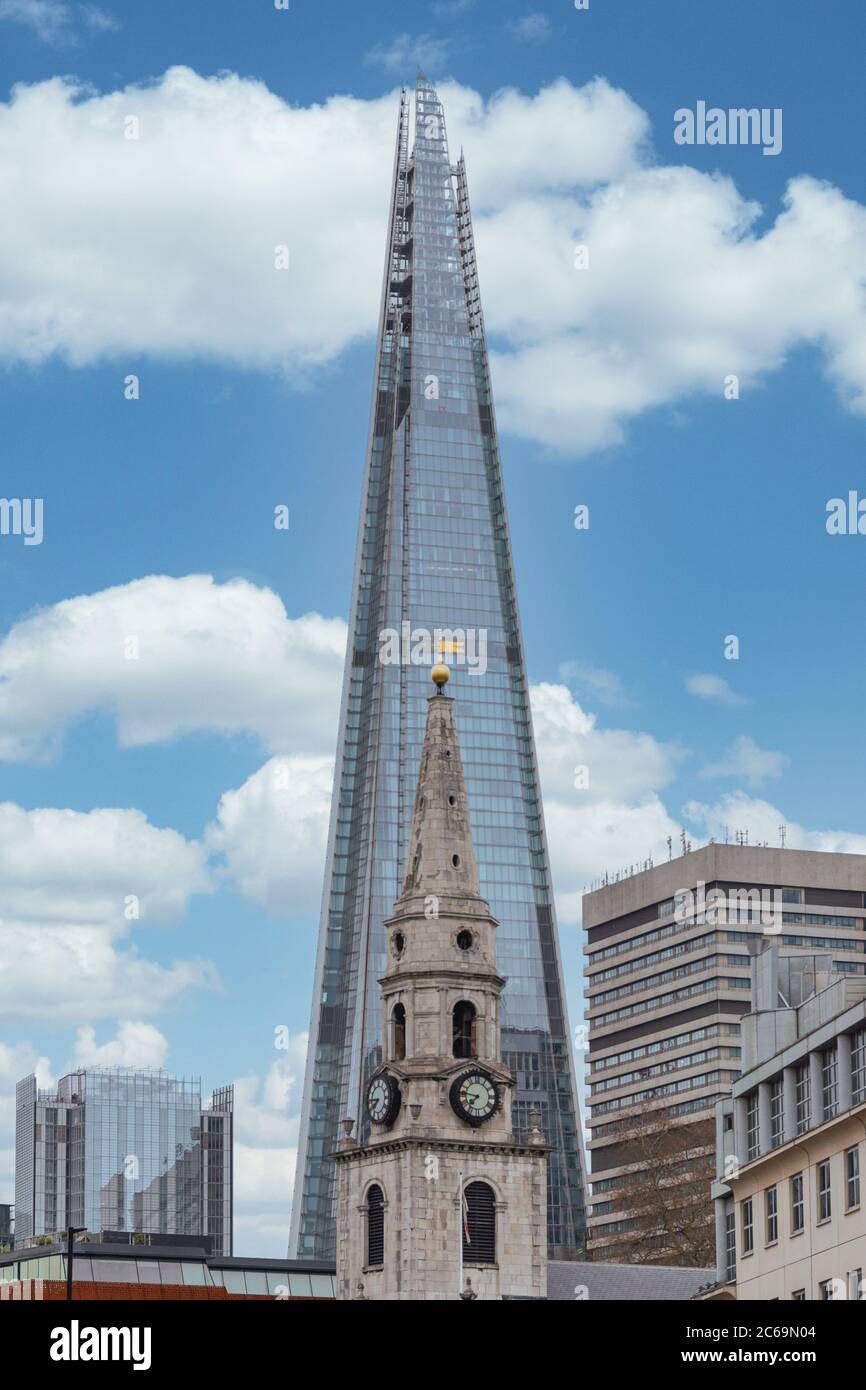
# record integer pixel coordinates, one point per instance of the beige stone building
(791, 1140)
(667, 986)
(442, 1202)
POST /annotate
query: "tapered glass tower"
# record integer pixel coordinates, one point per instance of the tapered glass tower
(433, 558)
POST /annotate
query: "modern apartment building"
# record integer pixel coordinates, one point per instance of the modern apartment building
(433, 566)
(668, 982)
(791, 1139)
(113, 1149)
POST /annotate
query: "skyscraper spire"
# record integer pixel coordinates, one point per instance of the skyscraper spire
(433, 552)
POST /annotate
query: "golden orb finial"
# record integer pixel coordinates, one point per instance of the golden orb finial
(440, 674)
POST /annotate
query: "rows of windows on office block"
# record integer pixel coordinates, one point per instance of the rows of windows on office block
(710, 959)
(760, 1214)
(821, 1076)
(724, 1034)
(787, 895)
(705, 942)
(650, 1088)
(712, 962)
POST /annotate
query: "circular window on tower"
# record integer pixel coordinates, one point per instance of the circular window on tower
(398, 943)
(455, 860)
(465, 939)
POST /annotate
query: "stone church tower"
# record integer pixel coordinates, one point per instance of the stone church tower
(442, 1202)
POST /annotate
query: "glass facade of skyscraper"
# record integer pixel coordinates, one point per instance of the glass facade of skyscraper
(114, 1149)
(433, 557)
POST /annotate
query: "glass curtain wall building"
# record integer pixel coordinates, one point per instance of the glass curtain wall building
(433, 558)
(119, 1150)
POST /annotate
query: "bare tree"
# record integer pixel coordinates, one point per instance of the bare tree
(667, 1194)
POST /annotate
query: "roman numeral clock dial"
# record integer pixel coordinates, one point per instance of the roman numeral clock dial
(383, 1099)
(475, 1096)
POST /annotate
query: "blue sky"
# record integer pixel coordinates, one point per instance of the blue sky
(707, 515)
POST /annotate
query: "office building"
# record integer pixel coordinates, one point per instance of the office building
(791, 1139)
(115, 1149)
(433, 575)
(667, 985)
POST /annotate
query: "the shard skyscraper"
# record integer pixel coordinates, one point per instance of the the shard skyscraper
(433, 554)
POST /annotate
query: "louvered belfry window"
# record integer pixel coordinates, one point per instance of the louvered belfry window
(479, 1224)
(375, 1226)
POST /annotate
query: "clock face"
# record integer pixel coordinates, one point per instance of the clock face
(383, 1099)
(475, 1097)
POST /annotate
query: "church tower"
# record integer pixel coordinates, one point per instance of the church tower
(443, 1201)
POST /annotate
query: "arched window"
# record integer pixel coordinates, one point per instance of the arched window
(479, 1224)
(375, 1226)
(464, 1034)
(398, 1033)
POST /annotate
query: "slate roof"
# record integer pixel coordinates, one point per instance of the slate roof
(624, 1283)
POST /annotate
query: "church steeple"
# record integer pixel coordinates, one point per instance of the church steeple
(438, 1184)
(441, 858)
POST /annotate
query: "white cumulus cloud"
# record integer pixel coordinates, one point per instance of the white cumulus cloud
(75, 887)
(739, 811)
(56, 21)
(272, 833)
(169, 656)
(408, 52)
(267, 1116)
(745, 759)
(532, 28)
(619, 817)
(710, 687)
(688, 281)
(136, 1044)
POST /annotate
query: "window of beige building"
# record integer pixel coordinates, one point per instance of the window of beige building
(752, 1136)
(798, 1212)
(824, 1198)
(771, 1208)
(858, 1066)
(777, 1117)
(802, 1095)
(852, 1178)
(829, 1082)
(730, 1247)
(748, 1225)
